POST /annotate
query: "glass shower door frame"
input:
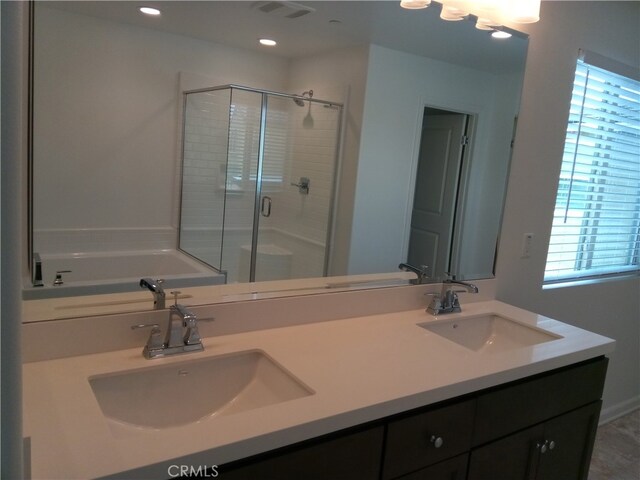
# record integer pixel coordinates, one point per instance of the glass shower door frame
(258, 199)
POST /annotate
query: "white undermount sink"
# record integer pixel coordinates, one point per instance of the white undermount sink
(186, 392)
(489, 333)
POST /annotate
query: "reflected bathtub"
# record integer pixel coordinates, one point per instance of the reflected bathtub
(116, 272)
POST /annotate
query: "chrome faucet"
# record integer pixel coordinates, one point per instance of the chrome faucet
(155, 287)
(447, 301)
(36, 270)
(181, 336)
(420, 271)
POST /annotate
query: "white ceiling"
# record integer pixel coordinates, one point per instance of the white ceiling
(241, 23)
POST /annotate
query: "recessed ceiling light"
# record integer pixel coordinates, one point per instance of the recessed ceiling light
(268, 42)
(500, 34)
(149, 10)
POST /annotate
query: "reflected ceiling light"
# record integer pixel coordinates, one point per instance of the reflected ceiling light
(149, 11)
(415, 4)
(500, 34)
(268, 42)
(490, 13)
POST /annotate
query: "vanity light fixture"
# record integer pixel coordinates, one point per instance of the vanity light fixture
(489, 13)
(486, 24)
(268, 42)
(149, 11)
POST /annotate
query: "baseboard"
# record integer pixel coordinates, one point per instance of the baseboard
(615, 411)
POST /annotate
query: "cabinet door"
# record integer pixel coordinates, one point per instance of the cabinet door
(569, 443)
(422, 439)
(537, 399)
(514, 457)
(355, 456)
(452, 469)
(559, 449)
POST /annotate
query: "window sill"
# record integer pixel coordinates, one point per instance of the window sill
(591, 281)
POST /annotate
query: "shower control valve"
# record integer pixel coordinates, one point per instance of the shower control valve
(303, 185)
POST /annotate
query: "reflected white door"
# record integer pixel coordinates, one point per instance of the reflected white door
(436, 191)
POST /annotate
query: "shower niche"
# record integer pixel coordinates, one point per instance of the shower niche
(258, 179)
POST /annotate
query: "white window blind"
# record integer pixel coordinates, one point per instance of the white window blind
(596, 223)
(244, 139)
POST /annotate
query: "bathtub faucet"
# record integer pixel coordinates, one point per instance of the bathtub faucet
(155, 287)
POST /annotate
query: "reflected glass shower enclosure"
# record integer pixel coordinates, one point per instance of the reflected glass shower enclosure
(258, 181)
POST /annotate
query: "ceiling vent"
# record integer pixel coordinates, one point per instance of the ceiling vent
(283, 9)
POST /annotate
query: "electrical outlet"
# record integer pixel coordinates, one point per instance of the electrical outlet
(527, 245)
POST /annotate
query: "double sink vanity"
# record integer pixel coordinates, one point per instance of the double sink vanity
(360, 388)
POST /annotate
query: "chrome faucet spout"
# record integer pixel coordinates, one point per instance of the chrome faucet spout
(448, 301)
(181, 336)
(155, 287)
(420, 271)
(470, 287)
(177, 315)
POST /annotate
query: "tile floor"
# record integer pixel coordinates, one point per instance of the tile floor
(616, 454)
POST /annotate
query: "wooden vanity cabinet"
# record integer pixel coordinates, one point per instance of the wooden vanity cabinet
(542, 428)
(538, 428)
(423, 439)
(452, 469)
(559, 449)
(350, 456)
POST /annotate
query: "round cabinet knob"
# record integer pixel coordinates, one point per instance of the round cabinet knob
(437, 441)
(552, 445)
(543, 446)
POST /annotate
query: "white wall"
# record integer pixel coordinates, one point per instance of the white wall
(339, 76)
(109, 70)
(613, 308)
(399, 86)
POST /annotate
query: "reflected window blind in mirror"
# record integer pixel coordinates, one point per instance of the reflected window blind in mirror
(596, 223)
(244, 133)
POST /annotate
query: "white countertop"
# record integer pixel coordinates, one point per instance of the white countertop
(361, 369)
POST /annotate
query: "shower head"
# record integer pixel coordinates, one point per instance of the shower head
(299, 101)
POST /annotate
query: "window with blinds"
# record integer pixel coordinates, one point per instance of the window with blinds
(596, 223)
(244, 142)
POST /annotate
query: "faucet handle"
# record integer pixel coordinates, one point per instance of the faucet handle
(155, 342)
(192, 334)
(58, 280)
(175, 294)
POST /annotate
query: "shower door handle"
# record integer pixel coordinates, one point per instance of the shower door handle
(265, 206)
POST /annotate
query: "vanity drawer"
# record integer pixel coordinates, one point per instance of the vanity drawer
(423, 439)
(350, 456)
(452, 469)
(525, 403)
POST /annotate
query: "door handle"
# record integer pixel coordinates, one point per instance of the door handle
(265, 206)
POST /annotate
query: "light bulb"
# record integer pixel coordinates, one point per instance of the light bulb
(415, 4)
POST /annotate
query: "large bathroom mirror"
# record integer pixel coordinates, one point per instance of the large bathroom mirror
(414, 115)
